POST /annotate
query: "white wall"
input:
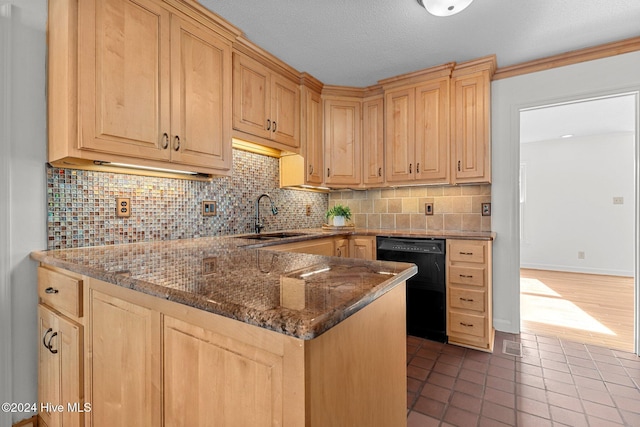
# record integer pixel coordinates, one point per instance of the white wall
(570, 185)
(26, 202)
(579, 81)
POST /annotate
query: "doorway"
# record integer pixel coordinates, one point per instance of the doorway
(577, 220)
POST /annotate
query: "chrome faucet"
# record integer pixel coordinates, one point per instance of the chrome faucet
(259, 226)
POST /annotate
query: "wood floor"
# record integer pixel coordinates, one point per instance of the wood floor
(587, 308)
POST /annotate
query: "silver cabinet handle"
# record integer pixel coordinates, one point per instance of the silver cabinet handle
(165, 141)
(310, 169)
(268, 124)
(417, 167)
(458, 165)
(275, 125)
(466, 276)
(468, 325)
(410, 167)
(176, 143)
(328, 170)
(51, 290)
(466, 299)
(379, 171)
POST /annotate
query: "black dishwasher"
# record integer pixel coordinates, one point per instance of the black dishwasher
(426, 294)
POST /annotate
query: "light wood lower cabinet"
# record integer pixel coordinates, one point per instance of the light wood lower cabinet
(324, 246)
(59, 369)
(175, 365)
(60, 349)
(469, 294)
(362, 247)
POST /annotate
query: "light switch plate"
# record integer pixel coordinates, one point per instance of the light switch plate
(123, 207)
(428, 208)
(209, 208)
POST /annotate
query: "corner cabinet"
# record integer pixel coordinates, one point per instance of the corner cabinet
(469, 294)
(142, 82)
(471, 121)
(373, 141)
(265, 104)
(342, 141)
(311, 121)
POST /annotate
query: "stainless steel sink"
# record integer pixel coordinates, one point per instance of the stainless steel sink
(269, 236)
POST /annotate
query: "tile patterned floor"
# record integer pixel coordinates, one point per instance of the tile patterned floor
(555, 383)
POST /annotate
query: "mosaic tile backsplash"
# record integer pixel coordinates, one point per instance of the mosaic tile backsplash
(82, 205)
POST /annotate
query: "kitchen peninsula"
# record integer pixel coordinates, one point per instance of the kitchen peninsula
(180, 332)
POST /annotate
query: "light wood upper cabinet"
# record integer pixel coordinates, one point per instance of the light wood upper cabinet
(200, 103)
(342, 143)
(265, 104)
(470, 121)
(139, 82)
(373, 140)
(417, 127)
(124, 76)
(312, 136)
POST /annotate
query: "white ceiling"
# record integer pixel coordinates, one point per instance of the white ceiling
(593, 117)
(357, 42)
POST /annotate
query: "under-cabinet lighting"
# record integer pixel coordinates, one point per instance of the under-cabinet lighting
(149, 168)
(569, 135)
(311, 273)
(388, 273)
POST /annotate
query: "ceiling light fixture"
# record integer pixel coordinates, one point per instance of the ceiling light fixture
(444, 7)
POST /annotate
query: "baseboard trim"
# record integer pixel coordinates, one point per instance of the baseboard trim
(572, 269)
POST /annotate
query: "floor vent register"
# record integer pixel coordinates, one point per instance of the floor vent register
(512, 348)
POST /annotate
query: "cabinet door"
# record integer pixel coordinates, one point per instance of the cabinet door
(312, 137)
(251, 97)
(470, 128)
(201, 88)
(59, 370)
(373, 141)
(124, 104)
(432, 132)
(125, 389)
(342, 142)
(285, 111)
(400, 132)
(341, 248)
(211, 379)
(362, 248)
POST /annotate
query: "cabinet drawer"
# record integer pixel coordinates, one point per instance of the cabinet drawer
(473, 276)
(60, 292)
(468, 324)
(467, 251)
(467, 299)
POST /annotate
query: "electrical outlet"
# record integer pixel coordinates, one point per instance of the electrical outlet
(486, 209)
(580, 255)
(618, 200)
(123, 207)
(209, 208)
(428, 208)
(308, 210)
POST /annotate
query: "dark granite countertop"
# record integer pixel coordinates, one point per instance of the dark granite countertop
(295, 294)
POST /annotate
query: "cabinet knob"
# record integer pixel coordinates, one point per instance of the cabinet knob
(165, 141)
(176, 143)
(268, 124)
(51, 290)
(275, 126)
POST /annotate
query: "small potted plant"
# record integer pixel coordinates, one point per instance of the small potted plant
(340, 215)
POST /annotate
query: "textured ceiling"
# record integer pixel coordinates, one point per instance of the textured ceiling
(357, 42)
